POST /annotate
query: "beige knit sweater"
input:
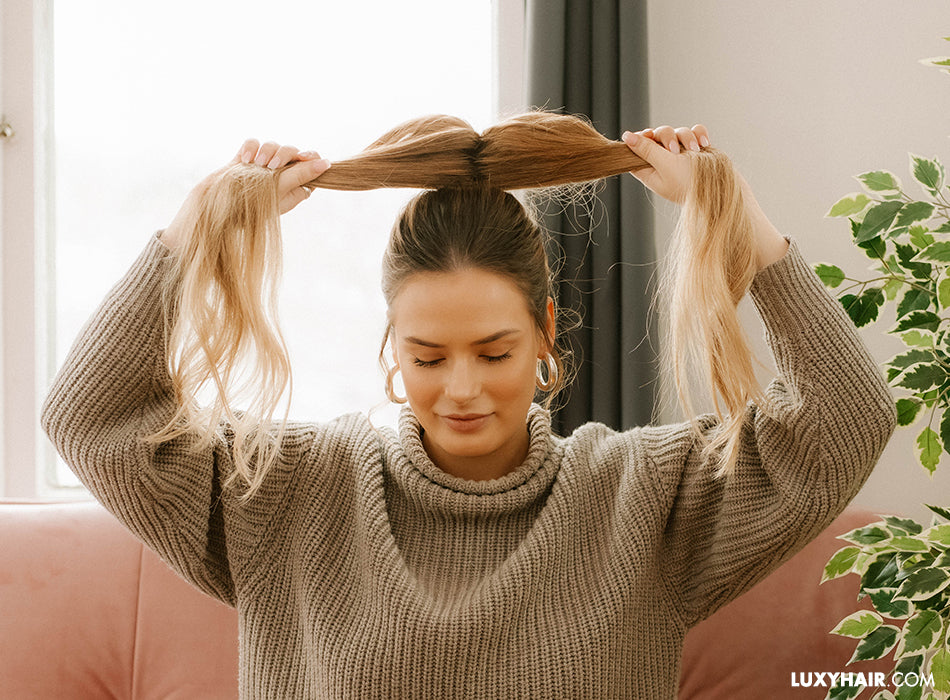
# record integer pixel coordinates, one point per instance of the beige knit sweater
(361, 570)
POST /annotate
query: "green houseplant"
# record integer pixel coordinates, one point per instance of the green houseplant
(903, 565)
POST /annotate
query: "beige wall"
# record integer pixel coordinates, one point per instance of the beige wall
(803, 96)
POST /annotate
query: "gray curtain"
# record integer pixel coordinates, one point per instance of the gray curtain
(590, 57)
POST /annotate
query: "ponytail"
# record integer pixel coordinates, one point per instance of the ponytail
(532, 150)
(225, 338)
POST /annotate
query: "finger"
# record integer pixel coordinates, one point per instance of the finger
(308, 155)
(300, 174)
(650, 150)
(284, 155)
(666, 135)
(702, 134)
(264, 154)
(247, 151)
(687, 138)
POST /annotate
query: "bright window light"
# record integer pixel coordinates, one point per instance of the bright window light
(149, 98)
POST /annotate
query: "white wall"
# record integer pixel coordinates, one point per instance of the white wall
(803, 96)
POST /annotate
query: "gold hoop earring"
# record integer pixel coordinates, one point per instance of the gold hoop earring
(551, 382)
(390, 375)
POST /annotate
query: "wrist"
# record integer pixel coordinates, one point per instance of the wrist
(771, 251)
(770, 245)
(169, 238)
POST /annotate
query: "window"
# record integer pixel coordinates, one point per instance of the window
(133, 104)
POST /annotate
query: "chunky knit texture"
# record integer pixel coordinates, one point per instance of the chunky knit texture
(361, 570)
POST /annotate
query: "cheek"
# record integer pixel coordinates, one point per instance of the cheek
(420, 383)
(518, 379)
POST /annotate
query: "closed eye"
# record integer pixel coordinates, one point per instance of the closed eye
(433, 363)
(425, 363)
(497, 358)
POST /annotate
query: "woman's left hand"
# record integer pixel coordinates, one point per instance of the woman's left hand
(668, 173)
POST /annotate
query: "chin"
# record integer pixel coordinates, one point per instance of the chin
(466, 448)
(475, 444)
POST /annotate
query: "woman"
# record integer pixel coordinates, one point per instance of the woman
(472, 553)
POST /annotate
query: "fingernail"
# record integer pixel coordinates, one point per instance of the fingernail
(694, 146)
(307, 155)
(704, 141)
(631, 138)
(322, 164)
(246, 157)
(259, 160)
(274, 162)
(675, 147)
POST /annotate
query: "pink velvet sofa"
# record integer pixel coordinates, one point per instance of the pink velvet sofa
(87, 612)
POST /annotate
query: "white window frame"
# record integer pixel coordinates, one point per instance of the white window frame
(26, 457)
(24, 92)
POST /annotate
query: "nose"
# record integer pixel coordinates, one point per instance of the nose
(463, 383)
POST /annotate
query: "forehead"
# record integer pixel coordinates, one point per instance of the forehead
(458, 306)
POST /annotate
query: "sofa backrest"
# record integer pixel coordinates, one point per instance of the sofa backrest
(87, 612)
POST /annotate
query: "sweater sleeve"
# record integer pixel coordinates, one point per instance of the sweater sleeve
(827, 417)
(113, 390)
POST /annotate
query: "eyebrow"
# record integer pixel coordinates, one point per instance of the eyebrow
(484, 341)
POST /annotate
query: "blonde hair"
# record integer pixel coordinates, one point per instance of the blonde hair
(711, 263)
(221, 304)
(221, 309)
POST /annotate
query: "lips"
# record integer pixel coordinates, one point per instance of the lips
(466, 422)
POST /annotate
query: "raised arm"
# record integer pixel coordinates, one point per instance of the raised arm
(803, 456)
(804, 449)
(114, 390)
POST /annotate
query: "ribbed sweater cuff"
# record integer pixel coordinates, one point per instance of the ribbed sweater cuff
(787, 294)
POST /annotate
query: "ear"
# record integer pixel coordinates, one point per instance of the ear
(550, 325)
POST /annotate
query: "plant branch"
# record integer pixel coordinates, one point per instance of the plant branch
(903, 279)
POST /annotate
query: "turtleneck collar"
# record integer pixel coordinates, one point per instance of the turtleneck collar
(433, 489)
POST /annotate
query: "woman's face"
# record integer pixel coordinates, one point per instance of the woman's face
(467, 346)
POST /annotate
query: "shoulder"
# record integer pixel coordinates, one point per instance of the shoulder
(658, 454)
(654, 442)
(336, 448)
(598, 442)
(345, 434)
(605, 452)
(321, 454)
(318, 463)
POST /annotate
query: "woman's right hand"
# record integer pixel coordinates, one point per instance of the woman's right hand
(291, 189)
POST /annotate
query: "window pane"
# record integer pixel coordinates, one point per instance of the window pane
(151, 97)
